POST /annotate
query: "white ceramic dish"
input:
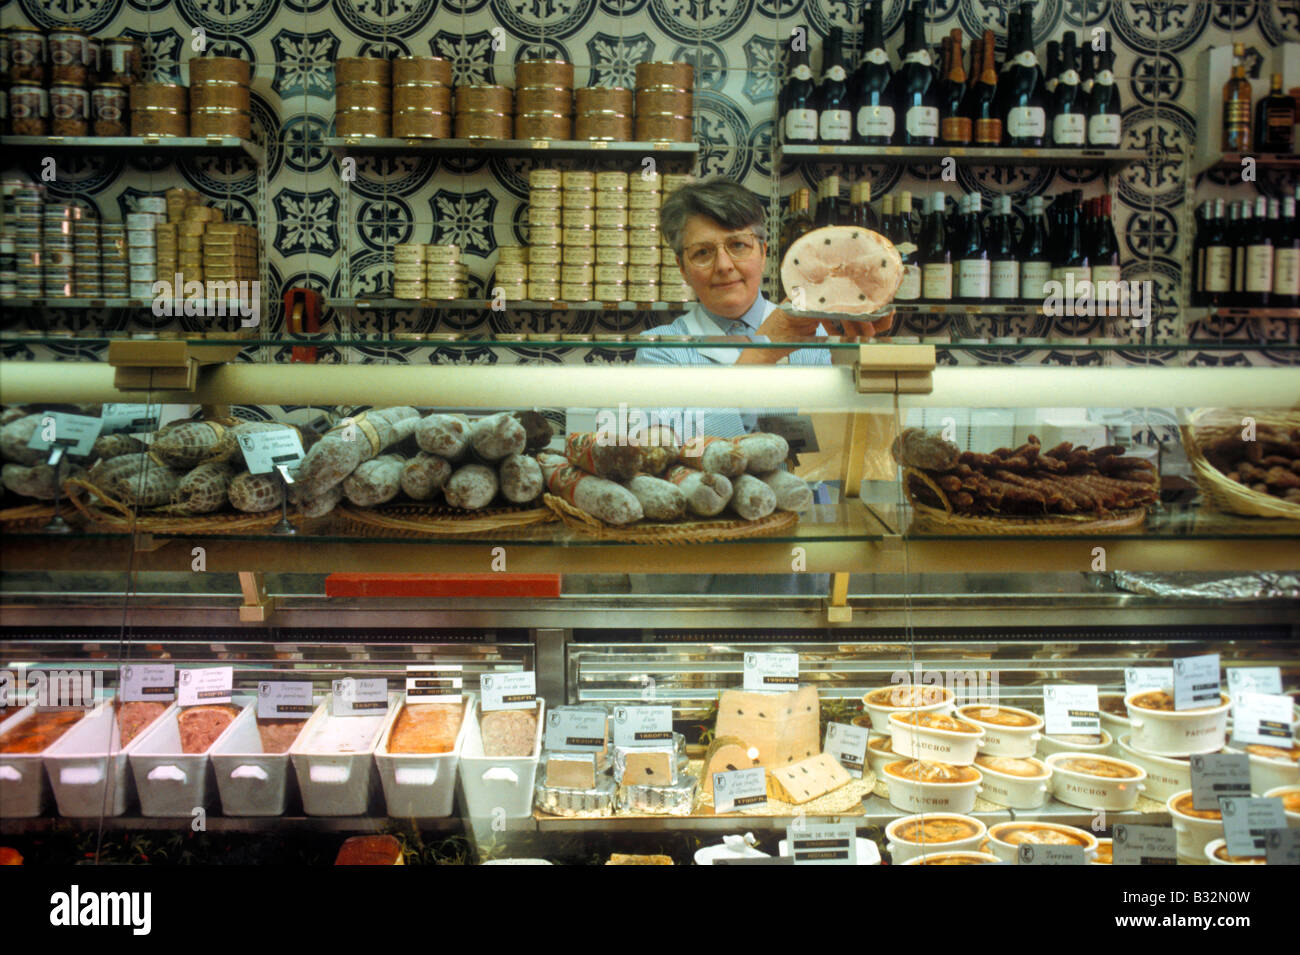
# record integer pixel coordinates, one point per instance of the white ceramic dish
(1268, 772)
(1056, 744)
(903, 693)
(1105, 850)
(932, 744)
(1001, 739)
(423, 785)
(1088, 790)
(1009, 851)
(1193, 833)
(89, 769)
(1179, 732)
(900, 850)
(912, 795)
(489, 783)
(1166, 775)
(731, 847)
(24, 785)
(1016, 792)
(1212, 858)
(169, 781)
(251, 781)
(1292, 815)
(1110, 721)
(956, 858)
(333, 758)
(877, 759)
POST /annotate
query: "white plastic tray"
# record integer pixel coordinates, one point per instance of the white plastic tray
(333, 783)
(422, 785)
(88, 767)
(489, 783)
(252, 782)
(24, 786)
(172, 783)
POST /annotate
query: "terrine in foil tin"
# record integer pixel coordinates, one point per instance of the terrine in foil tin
(577, 802)
(674, 800)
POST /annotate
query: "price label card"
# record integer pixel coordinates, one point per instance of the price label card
(1196, 681)
(353, 697)
(642, 725)
(430, 683)
(1283, 847)
(130, 418)
(1144, 845)
(777, 672)
(739, 789)
(1253, 680)
(1050, 855)
(575, 730)
(514, 690)
(771, 860)
(75, 432)
(1141, 679)
(1071, 710)
(1262, 718)
(284, 701)
(143, 682)
(1219, 775)
(822, 844)
(209, 685)
(266, 450)
(848, 744)
(797, 430)
(1247, 821)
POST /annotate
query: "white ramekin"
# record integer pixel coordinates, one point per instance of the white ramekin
(1179, 732)
(900, 850)
(1016, 792)
(1053, 744)
(1087, 791)
(1193, 834)
(1213, 846)
(1010, 852)
(1292, 815)
(880, 714)
(1000, 740)
(1105, 853)
(933, 745)
(877, 758)
(1268, 772)
(966, 858)
(1166, 775)
(1110, 721)
(912, 795)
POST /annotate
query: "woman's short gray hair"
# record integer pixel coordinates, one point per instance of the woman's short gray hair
(727, 203)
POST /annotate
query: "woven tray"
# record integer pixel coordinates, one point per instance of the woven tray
(1223, 493)
(929, 518)
(101, 509)
(424, 520)
(845, 801)
(28, 515)
(687, 532)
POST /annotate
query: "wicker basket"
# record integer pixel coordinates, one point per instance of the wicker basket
(105, 511)
(930, 519)
(438, 520)
(689, 532)
(1211, 424)
(27, 516)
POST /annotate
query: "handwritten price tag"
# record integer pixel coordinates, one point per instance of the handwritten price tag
(209, 685)
(284, 701)
(739, 789)
(264, 451)
(777, 672)
(1071, 710)
(143, 682)
(74, 432)
(131, 418)
(1196, 681)
(848, 744)
(642, 725)
(353, 697)
(508, 691)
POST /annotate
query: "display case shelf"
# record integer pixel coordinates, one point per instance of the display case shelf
(990, 156)
(513, 147)
(1201, 312)
(151, 144)
(478, 304)
(1232, 161)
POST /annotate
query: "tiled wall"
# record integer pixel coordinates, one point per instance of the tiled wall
(479, 202)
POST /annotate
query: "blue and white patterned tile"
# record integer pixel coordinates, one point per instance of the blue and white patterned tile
(1168, 134)
(405, 21)
(1151, 27)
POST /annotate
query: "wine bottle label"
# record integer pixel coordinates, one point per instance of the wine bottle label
(923, 121)
(802, 72)
(1105, 78)
(1104, 129)
(877, 56)
(1068, 129)
(1026, 58)
(1286, 272)
(801, 125)
(1026, 122)
(835, 73)
(1004, 279)
(1238, 269)
(956, 129)
(918, 56)
(1033, 276)
(1069, 78)
(936, 281)
(1217, 275)
(988, 131)
(876, 121)
(1259, 268)
(906, 248)
(1067, 273)
(1104, 273)
(909, 290)
(974, 279)
(836, 125)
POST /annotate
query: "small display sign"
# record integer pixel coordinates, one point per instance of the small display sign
(280, 700)
(145, 682)
(1071, 710)
(778, 672)
(740, 789)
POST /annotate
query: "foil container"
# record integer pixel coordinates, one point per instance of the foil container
(674, 800)
(1192, 584)
(577, 802)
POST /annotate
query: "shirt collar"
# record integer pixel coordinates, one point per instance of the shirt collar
(752, 318)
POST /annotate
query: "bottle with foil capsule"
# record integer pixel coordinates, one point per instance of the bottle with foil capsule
(1069, 125)
(1236, 105)
(1286, 258)
(1004, 267)
(935, 253)
(1103, 255)
(954, 124)
(834, 115)
(1216, 259)
(1274, 120)
(1259, 256)
(1105, 123)
(798, 107)
(1024, 108)
(973, 275)
(874, 93)
(910, 288)
(980, 105)
(1033, 255)
(916, 99)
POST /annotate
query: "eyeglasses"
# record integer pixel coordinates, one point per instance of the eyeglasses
(702, 255)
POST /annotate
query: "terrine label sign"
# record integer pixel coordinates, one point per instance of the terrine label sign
(131, 418)
(208, 685)
(740, 789)
(642, 725)
(1219, 775)
(1141, 679)
(1247, 821)
(515, 690)
(1283, 847)
(1196, 681)
(1144, 845)
(1050, 855)
(75, 433)
(429, 683)
(280, 700)
(777, 672)
(353, 697)
(1253, 680)
(848, 744)
(145, 682)
(575, 730)
(1262, 718)
(264, 451)
(823, 844)
(1071, 710)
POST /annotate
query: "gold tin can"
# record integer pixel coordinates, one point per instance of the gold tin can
(578, 180)
(363, 69)
(512, 255)
(484, 98)
(538, 216)
(611, 236)
(644, 255)
(576, 292)
(408, 271)
(610, 274)
(579, 237)
(544, 99)
(661, 102)
(580, 255)
(544, 291)
(408, 252)
(408, 290)
(675, 180)
(611, 181)
(544, 179)
(229, 69)
(543, 73)
(543, 255)
(642, 184)
(444, 253)
(363, 122)
(476, 124)
(574, 274)
(433, 96)
(544, 235)
(643, 237)
(611, 199)
(167, 96)
(611, 218)
(220, 121)
(220, 94)
(545, 199)
(604, 126)
(651, 75)
(511, 291)
(422, 124)
(643, 218)
(578, 198)
(645, 200)
(509, 273)
(362, 95)
(611, 255)
(159, 122)
(535, 125)
(223, 228)
(440, 272)
(421, 69)
(669, 274)
(664, 128)
(446, 290)
(546, 274)
(642, 291)
(643, 274)
(578, 218)
(611, 293)
(614, 99)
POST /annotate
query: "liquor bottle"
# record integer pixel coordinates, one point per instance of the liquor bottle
(973, 279)
(1025, 114)
(1104, 110)
(1259, 258)
(1240, 214)
(1069, 127)
(798, 109)
(834, 115)
(873, 92)
(954, 124)
(1004, 267)
(1286, 258)
(910, 288)
(917, 100)
(1236, 105)
(1035, 262)
(1103, 254)
(1274, 120)
(935, 254)
(980, 105)
(1202, 217)
(1216, 272)
(1070, 265)
(1053, 72)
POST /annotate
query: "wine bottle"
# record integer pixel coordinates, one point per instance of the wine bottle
(873, 93)
(1274, 120)
(868, 216)
(954, 124)
(1103, 255)
(822, 212)
(834, 114)
(1217, 271)
(980, 105)
(1069, 126)
(917, 102)
(887, 217)
(798, 109)
(1259, 258)
(1236, 105)
(1286, 258)
(973, 279)
(1026, 115)
(1070, 266)
(910, 288)
(1053, 73)
(935, 255)
(1035, 262)
(798, 223)
(1004, 267)
(1238, 224)
(1104, 110)
(1202, 222)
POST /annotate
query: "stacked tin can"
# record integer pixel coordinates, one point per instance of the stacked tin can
(28, 99)
(484, 112)
(178, 200)
(445, 276)
(408, 271)
(672, 287)
(510, 277)
(219, 97)
(229, 253)
(664, 102)
(603, 113)
(86, 277)
(142, 244)
(612, 238)
(421, 97)
(578, 235)
(159, 109)
(545, 231)
(57, 244)
(644, 254)
(10, 187)
(114, 268)
(363, 97)
(543, 99)
(21, 251)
